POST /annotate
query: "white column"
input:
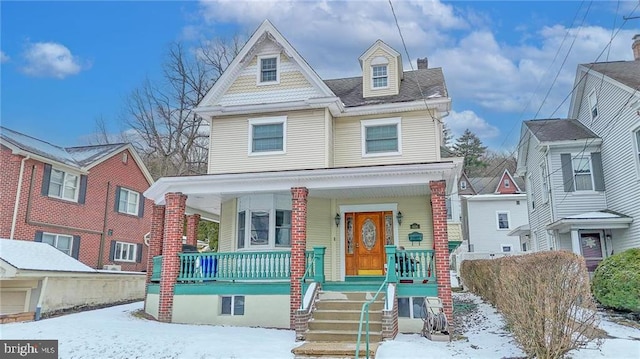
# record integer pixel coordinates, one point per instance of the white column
(575, 242)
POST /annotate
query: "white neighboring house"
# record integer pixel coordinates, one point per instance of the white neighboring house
(583, 173)
(497, 207)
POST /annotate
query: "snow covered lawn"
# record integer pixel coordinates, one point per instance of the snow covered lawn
(115, 333)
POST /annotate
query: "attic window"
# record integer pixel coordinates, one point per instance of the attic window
(593, 104)
(379, 76)
(268, 68)
(463, 184)
(507, 183)
(125, 158)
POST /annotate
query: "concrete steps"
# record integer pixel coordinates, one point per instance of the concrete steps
(333, 328)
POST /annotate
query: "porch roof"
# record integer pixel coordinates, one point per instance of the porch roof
(592, 220)
(206, 192)
(523, 230)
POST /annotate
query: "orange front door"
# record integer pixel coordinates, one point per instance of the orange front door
(364, 243)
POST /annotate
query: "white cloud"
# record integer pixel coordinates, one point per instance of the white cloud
(50, 59)
(4, 57)
(457, 122)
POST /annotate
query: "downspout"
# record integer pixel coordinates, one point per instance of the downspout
(18, 192)
(104, 226)
(41, 297)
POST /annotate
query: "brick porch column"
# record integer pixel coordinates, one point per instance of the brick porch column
(441, 245)
(298, 247)
(192, 229)
(155, 241)
(171, 246)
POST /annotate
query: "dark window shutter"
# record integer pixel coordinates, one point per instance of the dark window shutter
(117, 198)
(139, 253)
(83, 189)
(112, 251)
(38, 236)
(141, 205)
(567, 172)
(46, 178)
(75, 247)
(598, 174)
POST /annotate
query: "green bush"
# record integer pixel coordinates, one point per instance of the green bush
(616, 282)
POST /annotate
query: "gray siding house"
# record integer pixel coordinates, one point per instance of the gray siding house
(583, 173)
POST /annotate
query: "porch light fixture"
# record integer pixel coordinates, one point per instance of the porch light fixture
(399, 218)
(337, 219)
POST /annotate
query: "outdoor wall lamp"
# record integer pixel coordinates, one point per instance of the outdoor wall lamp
(337, 219)
(399, 218)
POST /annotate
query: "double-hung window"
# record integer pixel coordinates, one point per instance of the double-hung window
(128, 201)
(264, 222)
(503, 220)
(268, 69)
(379, 76)
(267, 135)
(62, 242)
(545, 183)
(63, 185)
(582, 173)
(381, 137)
(125, 252)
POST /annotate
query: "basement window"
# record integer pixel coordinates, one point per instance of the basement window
(232, 305)
(411, 307)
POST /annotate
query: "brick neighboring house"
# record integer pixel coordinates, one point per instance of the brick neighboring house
(86, 201)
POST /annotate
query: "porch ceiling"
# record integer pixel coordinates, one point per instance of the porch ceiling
(207, 192)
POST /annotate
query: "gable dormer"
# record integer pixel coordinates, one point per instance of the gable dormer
(381, 70)
(464, 186)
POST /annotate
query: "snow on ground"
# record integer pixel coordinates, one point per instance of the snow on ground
(115, 333)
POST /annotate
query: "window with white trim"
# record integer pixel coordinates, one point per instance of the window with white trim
(545, 184)
(125, 252)
(449, 208)
(232, 305)
(502, 220)
(267, 135)
(381, 137)
(507, 183)
(264, 221)
(268, 69)
(531, 196)
(64, 185)
(62, 242)
(593, 104)
(582, 173)
(636, 141)
(463, 184)
(379, 77)
(411, 307)
(129, 201)
(506, 248)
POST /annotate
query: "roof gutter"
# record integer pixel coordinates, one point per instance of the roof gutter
(14, 219)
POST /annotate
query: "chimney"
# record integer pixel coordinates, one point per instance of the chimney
(635, 47)
(423, 63)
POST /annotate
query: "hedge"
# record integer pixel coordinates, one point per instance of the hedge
(544, 297)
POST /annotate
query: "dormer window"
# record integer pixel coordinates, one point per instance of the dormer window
(268, 69)
(463, 184)
(507, 183)
(379, 72)
(379, 76)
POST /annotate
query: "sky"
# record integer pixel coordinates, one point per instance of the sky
(66, 64)
(115, 333)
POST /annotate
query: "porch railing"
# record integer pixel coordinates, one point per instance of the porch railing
(235, 266)
(415, 265)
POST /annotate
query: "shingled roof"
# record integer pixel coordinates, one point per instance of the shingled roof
(559, 130)
(625, 72)
(431, 81)
(78, 157)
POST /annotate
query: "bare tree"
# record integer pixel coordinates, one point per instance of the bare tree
(158, 115)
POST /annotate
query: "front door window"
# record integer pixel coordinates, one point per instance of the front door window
(591, 247)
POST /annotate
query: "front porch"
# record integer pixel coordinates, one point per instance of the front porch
(270, 273)
(282, 231)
